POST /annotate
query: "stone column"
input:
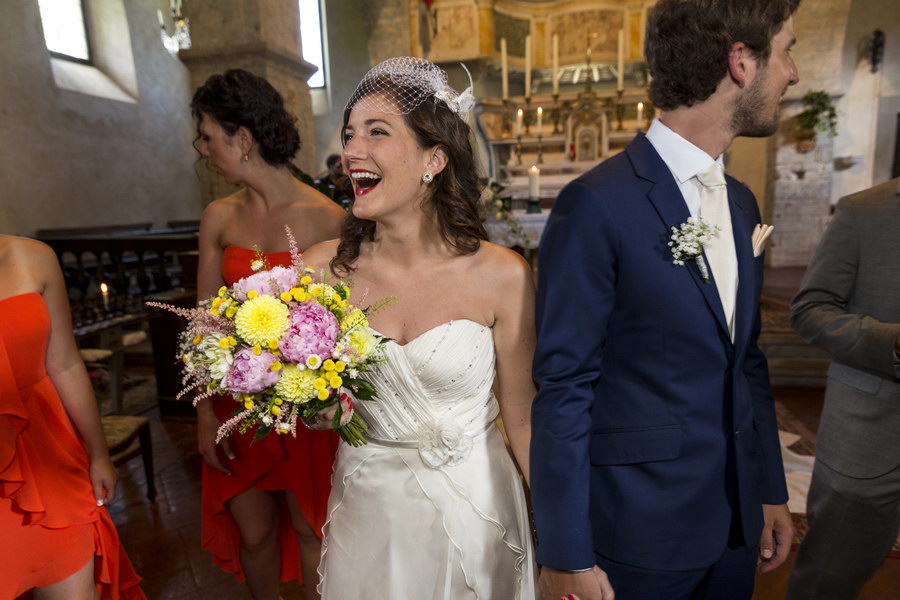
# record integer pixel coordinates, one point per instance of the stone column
(261, 37)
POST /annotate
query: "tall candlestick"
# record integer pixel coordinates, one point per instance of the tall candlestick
(640, 115)
(540, 119)
(620, 71)
(527, 66)
(504, 68)
(520, 114)
(555, 64)
(104, 292)
(534, 182)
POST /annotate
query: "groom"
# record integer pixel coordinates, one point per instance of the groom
(655, 462)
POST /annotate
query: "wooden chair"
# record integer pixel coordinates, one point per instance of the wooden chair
(127, 436)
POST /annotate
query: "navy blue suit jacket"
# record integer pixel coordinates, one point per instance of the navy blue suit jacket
(650, 426)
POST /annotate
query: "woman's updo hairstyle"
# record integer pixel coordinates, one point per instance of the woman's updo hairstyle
(238, 98)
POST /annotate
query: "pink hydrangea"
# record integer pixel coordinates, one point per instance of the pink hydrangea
(313, 330)
(251, 373)
(271, 282)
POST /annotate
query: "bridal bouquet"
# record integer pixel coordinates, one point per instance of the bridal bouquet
(283, 346)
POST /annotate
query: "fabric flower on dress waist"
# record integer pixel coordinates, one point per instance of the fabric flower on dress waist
(444, 444)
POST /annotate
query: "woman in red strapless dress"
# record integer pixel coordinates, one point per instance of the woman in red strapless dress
(263, 504)
(55, 471)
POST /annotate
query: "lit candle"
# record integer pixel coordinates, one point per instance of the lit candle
(528, 66)
(640, 115)
(555, 64)
(540, 119)
(534, 182)
(504, 68)
(519, 116)
(620, 71)
(104, 292)
(159, 16)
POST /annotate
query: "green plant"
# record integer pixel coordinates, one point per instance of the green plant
(493, 203)
(819, 115)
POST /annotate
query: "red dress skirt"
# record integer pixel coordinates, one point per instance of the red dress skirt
(50, 524)
(302, 465)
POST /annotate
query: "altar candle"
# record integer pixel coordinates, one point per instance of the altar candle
(555, 64)
(620, 71)
(504, 67)
(104, 292)
(640, 115)
(540, 119)
(528, 66)
(534, 182)
(519, 116)
(159, 16)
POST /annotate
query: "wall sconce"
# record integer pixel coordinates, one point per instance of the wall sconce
(876, 49)
(181, 38)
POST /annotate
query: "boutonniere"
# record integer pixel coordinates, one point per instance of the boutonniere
(687, 243)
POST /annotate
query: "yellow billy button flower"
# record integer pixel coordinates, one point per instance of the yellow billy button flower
(252, 294)
(286, 296)
(223, 344)
(305, 280)
(277, 401)
(319, 384)
(335, 382)
(273, 344)
(313, 361)
(339, 366)
(322, 395)
(328, 365)
(230, 311)
(184, 358)
(197, 339)
(231, 340)
(222, 291)
(275, 410)
(257, 350)
(276, 366)
(248, 404)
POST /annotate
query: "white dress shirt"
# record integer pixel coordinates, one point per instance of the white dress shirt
(684, 160)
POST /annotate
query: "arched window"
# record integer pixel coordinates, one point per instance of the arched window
(65, 31)
(311, 40)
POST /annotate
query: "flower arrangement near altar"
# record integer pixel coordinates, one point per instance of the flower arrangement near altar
(284, 347)
(687, 243)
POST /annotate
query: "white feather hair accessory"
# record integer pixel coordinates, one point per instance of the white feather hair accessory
(398, 85)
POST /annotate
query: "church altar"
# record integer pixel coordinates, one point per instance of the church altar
(532, 226)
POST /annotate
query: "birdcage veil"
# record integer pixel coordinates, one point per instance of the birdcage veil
(399, 85)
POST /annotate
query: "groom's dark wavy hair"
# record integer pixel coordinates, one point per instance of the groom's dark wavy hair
(688, 42)
(453, 194)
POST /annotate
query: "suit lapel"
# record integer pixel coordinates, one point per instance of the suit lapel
(741, 226)
(669, 204)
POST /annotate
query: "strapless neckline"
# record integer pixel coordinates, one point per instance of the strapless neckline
(425, 333)
(21, 296)
(252, 251)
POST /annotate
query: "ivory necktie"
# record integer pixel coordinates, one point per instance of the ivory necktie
(720, 249)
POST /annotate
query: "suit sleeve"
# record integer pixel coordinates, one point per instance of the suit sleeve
(820, 312)
(756, 369)
(576, 295)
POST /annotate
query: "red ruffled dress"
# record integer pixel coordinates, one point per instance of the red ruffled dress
(302, 465)
(50, 524)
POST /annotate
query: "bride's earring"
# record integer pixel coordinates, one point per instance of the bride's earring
(427, 177)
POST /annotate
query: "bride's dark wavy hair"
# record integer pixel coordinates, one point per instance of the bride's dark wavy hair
(454, 192)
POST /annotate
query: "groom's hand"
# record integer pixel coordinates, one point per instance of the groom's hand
(587, 585)
(777, 535)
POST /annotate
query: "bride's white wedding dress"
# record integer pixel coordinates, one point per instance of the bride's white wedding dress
(432, 507)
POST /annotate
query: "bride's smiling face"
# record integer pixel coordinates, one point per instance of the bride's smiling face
(384, 160)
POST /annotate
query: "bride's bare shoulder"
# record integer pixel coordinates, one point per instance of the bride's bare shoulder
(320, 255)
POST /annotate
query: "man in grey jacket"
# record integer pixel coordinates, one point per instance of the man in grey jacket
(849, 305)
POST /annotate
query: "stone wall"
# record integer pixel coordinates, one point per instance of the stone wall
(121, 154)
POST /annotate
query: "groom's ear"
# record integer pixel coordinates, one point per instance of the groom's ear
(436, 160)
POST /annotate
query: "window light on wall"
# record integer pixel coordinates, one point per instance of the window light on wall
(311, 40)
(64, 29)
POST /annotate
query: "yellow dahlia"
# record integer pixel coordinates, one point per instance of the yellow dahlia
(296, 385)
(261, 319)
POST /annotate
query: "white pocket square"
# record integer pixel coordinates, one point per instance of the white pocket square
(761, 234)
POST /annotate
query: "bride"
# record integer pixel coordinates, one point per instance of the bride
(432, 506)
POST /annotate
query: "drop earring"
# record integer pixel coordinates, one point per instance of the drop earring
(427, 177)
(246, 157)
